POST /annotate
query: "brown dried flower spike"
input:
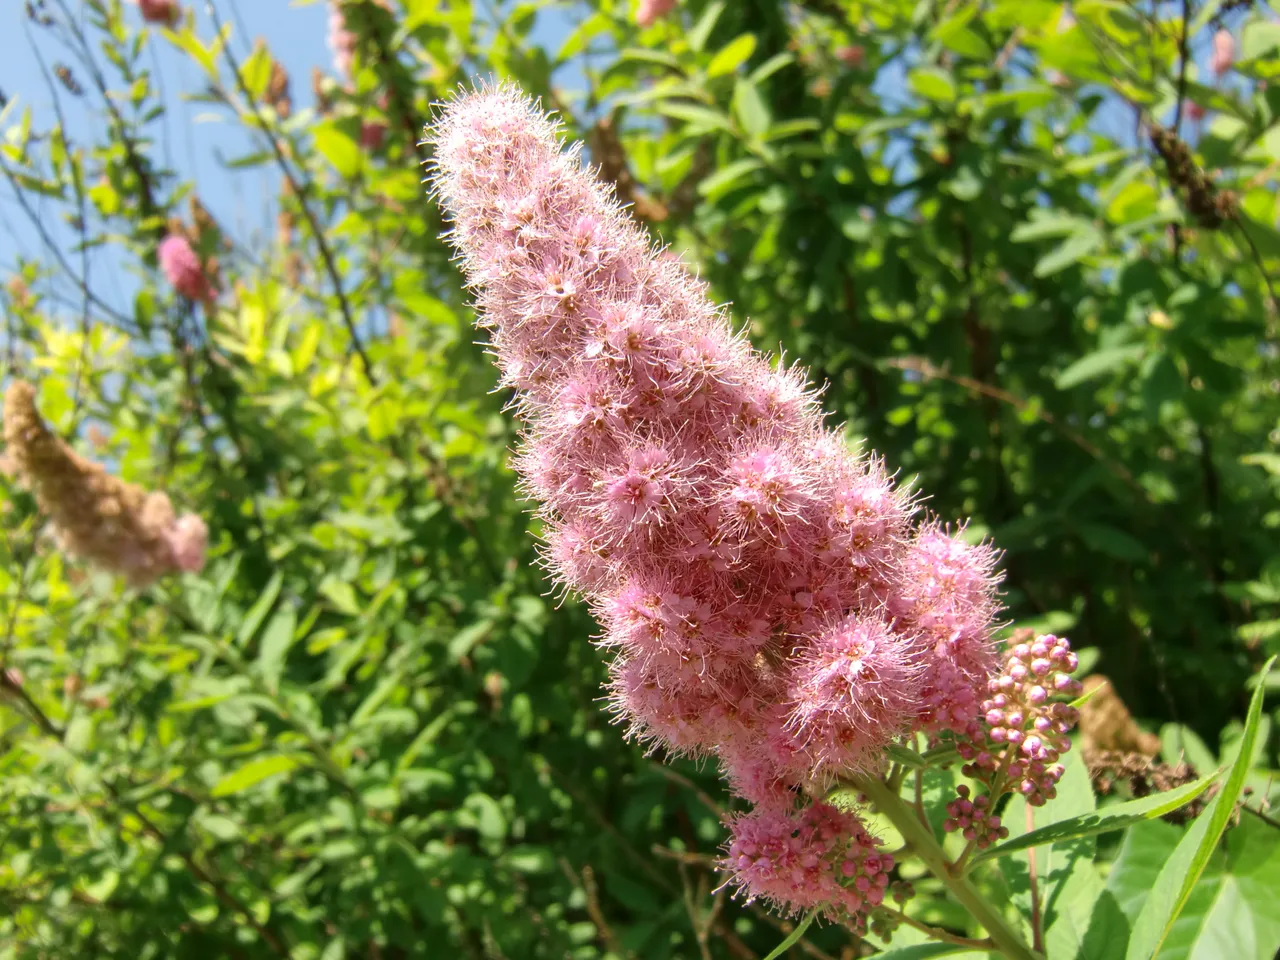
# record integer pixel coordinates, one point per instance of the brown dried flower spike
(98, 517)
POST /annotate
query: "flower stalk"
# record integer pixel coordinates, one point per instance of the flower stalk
(925, 846)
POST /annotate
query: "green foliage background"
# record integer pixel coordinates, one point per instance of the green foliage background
(366, 730)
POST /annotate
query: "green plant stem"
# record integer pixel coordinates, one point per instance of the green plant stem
(926, 847)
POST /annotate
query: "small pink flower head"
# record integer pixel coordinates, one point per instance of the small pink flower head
(947, 597)
(1224, 51)
(821, 857)
(372, 133)
(183, 269)
(188, 539)
(651, 11)
(852, 55)
(854, 689)
(163, 12)
(1195, 112)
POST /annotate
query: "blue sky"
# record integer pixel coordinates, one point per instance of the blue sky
(188, 139)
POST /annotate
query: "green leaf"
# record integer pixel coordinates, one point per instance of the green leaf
(1259, 38)
(258, 612)
(750, 108)
(698, 117)
(770, 67)
(254, 772)
(724, 179)
(255, 72)
(906, 757)
(277, 638)
(1096, 364)
(701, 31)
(1143, 852)
(338, 148)
(1232, 913)
(1046, 223)
(1115, 817)
(1178, 878)
(932, 83)
(732, 56)
(581, 37)
(794, 937)
(1072, 250)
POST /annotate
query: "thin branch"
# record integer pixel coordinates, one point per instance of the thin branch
(301, 189)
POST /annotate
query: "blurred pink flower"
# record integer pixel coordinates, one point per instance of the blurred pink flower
(651, 11)
(183, 269)
(164, 12)
(372, 133)
(851, 55)
(1224, 51)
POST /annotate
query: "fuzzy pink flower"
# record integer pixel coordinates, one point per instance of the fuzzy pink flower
(183, 269)
(1224, 52)
(188, 540)
(651, 11)
(163, 12)
(820, 857)
(762, 588)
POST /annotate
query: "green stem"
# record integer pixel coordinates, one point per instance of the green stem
(926, 847)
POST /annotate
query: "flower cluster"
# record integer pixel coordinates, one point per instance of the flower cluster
(975, 818)
(182, 267)
(818, 857)
(769, 595)
(342, 40)
(1025, 735)
(101, 518)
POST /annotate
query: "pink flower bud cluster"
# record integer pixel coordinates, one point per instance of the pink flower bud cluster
(1026, 729)
(182, 268)
(342, 41)
(766, 592)
(818, 857)
(974, 818)
(651, 11)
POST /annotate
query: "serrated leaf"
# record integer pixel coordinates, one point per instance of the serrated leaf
(255, 772)
(1115, 817)
(1178, 877)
